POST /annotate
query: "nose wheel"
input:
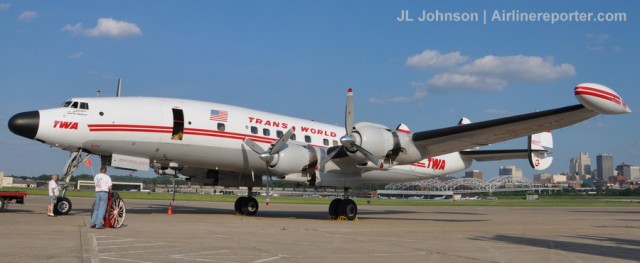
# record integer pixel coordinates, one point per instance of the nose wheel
(62, 206)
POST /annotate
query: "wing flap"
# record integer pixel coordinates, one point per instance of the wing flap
(457, 138)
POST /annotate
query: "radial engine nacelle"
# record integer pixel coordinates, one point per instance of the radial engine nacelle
(293, 158)
(394, 147)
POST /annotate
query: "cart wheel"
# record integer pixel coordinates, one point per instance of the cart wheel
(62, 206)
(116, 212)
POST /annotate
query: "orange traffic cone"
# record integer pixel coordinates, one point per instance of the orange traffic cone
(170, 212)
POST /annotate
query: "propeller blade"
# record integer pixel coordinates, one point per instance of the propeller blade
(348, 114)
(281, 143)
(253, 146)
(372, 158)
(330, 155)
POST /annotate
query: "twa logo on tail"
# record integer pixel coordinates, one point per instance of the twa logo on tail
(69, 125)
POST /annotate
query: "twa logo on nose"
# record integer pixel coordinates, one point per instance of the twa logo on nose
(69, 125)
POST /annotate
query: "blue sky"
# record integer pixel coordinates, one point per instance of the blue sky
(298, 58)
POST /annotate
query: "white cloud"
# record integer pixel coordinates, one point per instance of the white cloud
(598, 42)
(106, 27)
(28, 16)
(488, 73)
(433, 58)
(419, 94)
(5, 6)
(457, 81)
(519, 67)
(76, 55)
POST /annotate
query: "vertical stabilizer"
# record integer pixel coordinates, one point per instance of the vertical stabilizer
(540, 145)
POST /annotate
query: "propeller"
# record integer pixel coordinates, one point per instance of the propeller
(349, 141)
(269, 155)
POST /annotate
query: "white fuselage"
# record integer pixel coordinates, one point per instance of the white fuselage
(205, 135)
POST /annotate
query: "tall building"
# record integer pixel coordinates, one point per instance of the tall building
(473, 174)
(573, 166)
(510, 170)
(584, 165)
(605, 166)
(630, 172)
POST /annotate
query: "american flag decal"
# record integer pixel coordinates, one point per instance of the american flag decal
(219, 115)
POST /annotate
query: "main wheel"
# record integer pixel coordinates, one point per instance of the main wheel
(333, 208)
(3, 204)
(116, 211)
(250, 206)
(62, 206)
(348, 209)
(238, 204)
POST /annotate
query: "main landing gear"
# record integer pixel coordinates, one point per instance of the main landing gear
(343, 209)
(247, 205)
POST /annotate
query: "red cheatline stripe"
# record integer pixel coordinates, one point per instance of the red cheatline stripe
(582, 88)
(168, 129)
(130, 130)
(598, 95)
(127, 126)
(404, 131)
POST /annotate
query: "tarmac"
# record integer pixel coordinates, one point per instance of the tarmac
(210, 232)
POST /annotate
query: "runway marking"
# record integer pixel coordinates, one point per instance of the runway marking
(269, 259)
(140, 251)
(95, 258)
(117, 240)
(136, 245)
(193, 254)
(129, 260)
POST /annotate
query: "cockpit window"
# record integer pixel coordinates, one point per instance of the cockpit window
(84, 106)
(74, 105)
(66, 104)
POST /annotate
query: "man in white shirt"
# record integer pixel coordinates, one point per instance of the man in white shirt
(53, 194)
(102, 182)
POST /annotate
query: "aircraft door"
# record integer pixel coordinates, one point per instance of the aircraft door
(178, 124)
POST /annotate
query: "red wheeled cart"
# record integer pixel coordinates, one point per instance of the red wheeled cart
(116, 211)
(11, 197)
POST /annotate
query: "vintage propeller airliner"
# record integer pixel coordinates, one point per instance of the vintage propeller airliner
(219, 144)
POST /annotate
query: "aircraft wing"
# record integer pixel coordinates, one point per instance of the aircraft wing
(457, 138)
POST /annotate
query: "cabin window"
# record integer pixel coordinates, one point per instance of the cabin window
(74, 105)
(84, 106)
(67, 104)
(266, 132)
(293, 136)
(178, 125)
(279, 134)
(221, 127)
(307, 138)
(325, 142)
(254, 130)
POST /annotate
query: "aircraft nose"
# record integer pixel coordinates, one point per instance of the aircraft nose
(25, 124)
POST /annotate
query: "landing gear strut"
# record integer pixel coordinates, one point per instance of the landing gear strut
(343, 209)
(63, 204)
(247, 205)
